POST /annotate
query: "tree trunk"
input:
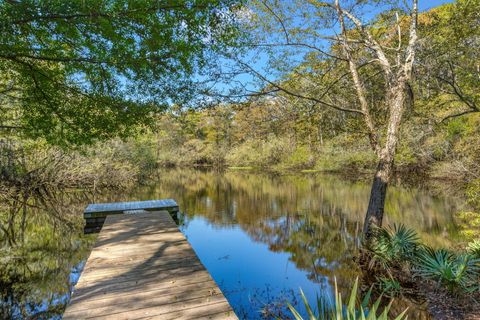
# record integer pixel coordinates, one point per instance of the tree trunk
(378, 193)
(376, 205)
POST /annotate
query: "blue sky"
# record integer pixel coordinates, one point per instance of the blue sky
(429, 4)
(260, 62)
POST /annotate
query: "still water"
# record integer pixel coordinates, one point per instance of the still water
(261, 237)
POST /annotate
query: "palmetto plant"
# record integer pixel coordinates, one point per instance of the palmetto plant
(393, 244)
(474, 248)
(399, 246)
(455, 271)
(389, 286)
(325, 310)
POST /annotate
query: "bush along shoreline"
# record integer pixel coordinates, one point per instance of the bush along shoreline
(398, 264)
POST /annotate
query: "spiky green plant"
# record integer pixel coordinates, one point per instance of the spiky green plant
(393, 244)
(473, 248)
(352, 311)
(455, 271)
(389, 286)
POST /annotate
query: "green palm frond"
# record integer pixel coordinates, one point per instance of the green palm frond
(452, 270)
(474, 248)
(393, 244)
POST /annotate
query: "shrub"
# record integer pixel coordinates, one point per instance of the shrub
(473, 248)
(259, 153)
(334, 158)
(454, 271)
(299, 158)
(469, 223)
(399, 246)
(389, 286)
(473, 194)
(393, 245)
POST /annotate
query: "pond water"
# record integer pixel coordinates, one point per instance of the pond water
(261, 237)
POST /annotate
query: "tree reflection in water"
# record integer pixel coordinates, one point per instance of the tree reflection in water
(41, 263)
(312, 220)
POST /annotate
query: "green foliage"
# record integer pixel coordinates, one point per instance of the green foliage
(300, 158)
(469, 222)
(284, 132)
(393, 245)
(473, 248)
(78, 71)
(473, 194)
(141, 152)
(456, 128)
(399, 247)
(454, 271)
(351, 311)
(259, 153)
(389, 286)
(405, 155)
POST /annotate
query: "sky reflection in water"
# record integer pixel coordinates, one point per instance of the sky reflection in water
(262, 237)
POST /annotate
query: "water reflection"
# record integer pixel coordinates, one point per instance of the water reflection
(41, 255)
(263, 236)
(255, 200)
(260, 236)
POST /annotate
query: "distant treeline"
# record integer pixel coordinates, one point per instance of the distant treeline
(279, 134)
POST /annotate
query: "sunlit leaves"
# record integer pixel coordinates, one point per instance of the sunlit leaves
(89, 70)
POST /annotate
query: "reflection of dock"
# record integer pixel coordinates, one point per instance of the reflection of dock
(96, 213)
(143, 267)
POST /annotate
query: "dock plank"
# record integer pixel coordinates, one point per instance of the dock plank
(112, 207)
(142, 267)
(95, 213)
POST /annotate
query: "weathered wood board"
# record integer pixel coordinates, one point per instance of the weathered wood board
(95, 213)
(142, 267)
(103, 209)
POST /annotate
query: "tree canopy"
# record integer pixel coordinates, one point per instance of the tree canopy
(77, 71)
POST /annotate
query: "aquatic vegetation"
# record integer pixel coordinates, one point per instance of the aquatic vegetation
(351, 311)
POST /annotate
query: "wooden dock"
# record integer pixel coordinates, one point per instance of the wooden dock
(142, 267)
(95, 213)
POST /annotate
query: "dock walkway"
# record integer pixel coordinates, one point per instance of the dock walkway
(142, 267)
(95, 213)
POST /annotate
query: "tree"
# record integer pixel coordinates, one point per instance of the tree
(355, 67)
(77, 71)
(449, 64)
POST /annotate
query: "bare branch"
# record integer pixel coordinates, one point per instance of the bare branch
(359, 86)
(294, 94)
(410, 51)
(455, 115)
(299, 44)
(370, 40)
(48, 58)
(287, 38)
